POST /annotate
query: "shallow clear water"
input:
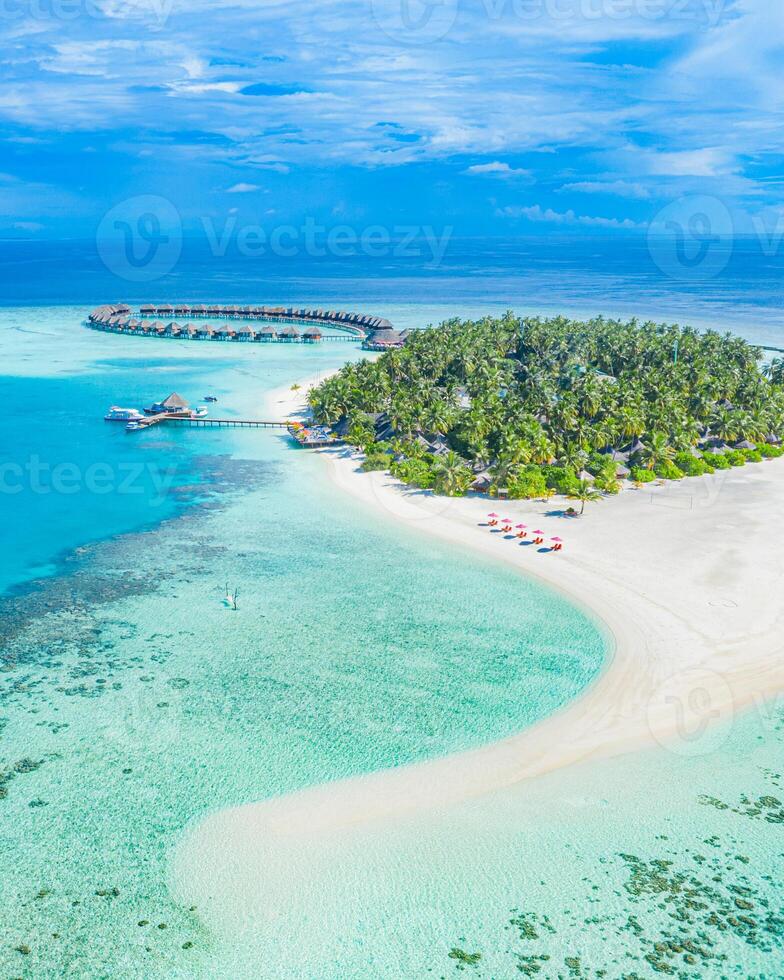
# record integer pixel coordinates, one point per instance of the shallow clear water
(134, 701)
(648, 865)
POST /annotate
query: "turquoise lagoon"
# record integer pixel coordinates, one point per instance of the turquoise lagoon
(134, 703)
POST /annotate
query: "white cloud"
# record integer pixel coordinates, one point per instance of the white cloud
(708, 162)
(547, 215)
(243, 188)
(496, 169)
(616, 188)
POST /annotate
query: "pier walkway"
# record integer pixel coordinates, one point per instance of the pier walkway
(205, 422)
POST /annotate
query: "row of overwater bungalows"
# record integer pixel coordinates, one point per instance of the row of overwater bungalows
(120, 318)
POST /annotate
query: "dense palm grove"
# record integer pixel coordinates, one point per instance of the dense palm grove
(535, 406)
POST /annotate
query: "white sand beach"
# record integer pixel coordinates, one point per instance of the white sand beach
(682, 576)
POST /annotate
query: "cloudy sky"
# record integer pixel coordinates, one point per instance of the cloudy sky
(498, 117)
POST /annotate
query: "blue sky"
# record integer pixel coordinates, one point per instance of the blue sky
(497, 117)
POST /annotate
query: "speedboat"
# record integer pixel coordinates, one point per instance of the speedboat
(117, 414)
(133, 425)
(210, 398)
(199, 413)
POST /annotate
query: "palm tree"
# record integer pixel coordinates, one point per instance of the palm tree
(657, 451)
(585, 492)
(452, 474)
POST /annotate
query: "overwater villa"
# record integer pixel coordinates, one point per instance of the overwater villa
(375, 333)
(173, 403)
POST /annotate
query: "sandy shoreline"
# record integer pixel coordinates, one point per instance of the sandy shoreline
(681, 577)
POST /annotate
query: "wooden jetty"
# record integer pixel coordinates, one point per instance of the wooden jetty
(204, 422)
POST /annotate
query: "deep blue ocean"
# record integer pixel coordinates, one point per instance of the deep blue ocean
(738, 284)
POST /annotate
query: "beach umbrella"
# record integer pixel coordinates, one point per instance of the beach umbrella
(538, 532)
(556, 538)
(520, 526)
(492, 515)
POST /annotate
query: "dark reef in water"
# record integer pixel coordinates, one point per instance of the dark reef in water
(688, 914)
(52, 638)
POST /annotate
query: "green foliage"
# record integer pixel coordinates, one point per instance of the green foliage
(542, 390)
(527, 484)
(610, 485)
(561, 479)
(452, 475)
(752, 455)
(639, 474)
(375, 461)
(417, 472)
(735, 457)
(667, 470)
(691, 465)
(719, 461)
(769, 452)
(585, 492)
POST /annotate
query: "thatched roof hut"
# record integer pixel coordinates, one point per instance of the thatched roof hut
(289, 333)
(173, 403)
(482, 481)
(311, 335)
(147, 309)
(633, 448)
(267, 332)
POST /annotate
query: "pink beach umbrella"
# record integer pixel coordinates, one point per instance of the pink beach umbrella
(492, 515)
(520, 526)
(537, 532)
(556, 538)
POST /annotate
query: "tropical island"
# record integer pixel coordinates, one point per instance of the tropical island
(529, 407)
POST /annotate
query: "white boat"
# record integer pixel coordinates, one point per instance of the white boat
(200, 412)
(117, 414)
(133, 425)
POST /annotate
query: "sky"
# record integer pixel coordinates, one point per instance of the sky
(490, 117)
